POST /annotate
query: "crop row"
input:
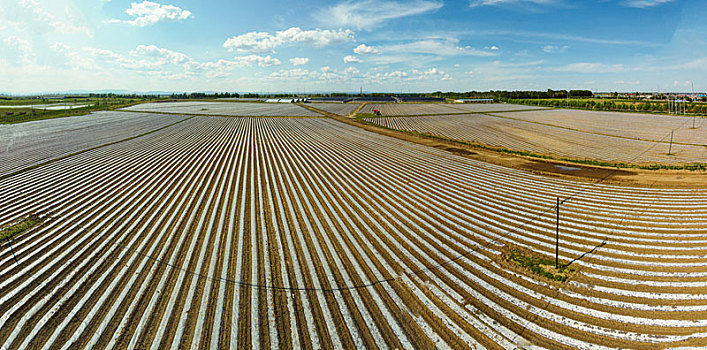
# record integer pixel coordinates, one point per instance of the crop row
(271, 232)
(560, 142)
(226, 108)
(650, 127)
(399, 109)
(26, 144)
(336, 108)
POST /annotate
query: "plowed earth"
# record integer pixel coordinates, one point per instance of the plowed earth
(311, 233)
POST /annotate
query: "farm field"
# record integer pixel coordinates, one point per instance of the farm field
(226, 108)
(336, 108)
(516, 133)
(30, 143)
(399, 109)
(51, 107)
(493, 107)
(269, 232)
(649, 127)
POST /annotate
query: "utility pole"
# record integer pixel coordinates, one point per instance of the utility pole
(694, 115)
(557, 235)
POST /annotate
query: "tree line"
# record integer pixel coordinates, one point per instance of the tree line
(613, 105)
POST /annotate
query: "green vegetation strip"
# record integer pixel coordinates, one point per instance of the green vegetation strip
(3, 177)
(539, 265)
(690, 166)
(15, 229)
(613, 105)
(21, 115)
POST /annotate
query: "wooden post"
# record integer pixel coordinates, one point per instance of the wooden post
(13, 252)
(670, 149)
(557, 235)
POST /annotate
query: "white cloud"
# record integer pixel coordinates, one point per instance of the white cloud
(584, 67)
(292, 74)
(22, 47)
(441, 47)
(261, 61)
(299, 61)
(121, 60)
(517, 64)
(367, 50)
(370, 14)
(393, 74)
(216, 69)
(555, 49)
(75, 59)
(352, 59)
(6, 23)
(143, 58)
(261, 42)
(20, 44)
(148, 13)
(476, 3)
(700, 63)
(164, 63)
(161, 53)
(644, 3)
(622, 82)
(431, 72)
(44, 16)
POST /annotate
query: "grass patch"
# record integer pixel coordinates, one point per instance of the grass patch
(18, 227)
(21, 115)
(537, 264)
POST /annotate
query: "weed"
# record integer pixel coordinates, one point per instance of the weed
(539, 264)
(18, 227)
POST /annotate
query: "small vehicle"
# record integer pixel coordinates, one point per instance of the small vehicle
(376, 112)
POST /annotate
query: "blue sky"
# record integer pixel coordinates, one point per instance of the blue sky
(398, 46)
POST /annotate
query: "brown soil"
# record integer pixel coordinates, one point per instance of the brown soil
(547, 167)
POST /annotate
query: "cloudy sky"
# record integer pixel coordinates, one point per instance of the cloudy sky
(380, 45)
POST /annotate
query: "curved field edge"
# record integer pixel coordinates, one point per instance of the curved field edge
(220, 210)
(689, 167)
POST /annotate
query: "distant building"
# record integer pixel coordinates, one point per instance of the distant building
(474, 100)
(418, 99)
(287, 100)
